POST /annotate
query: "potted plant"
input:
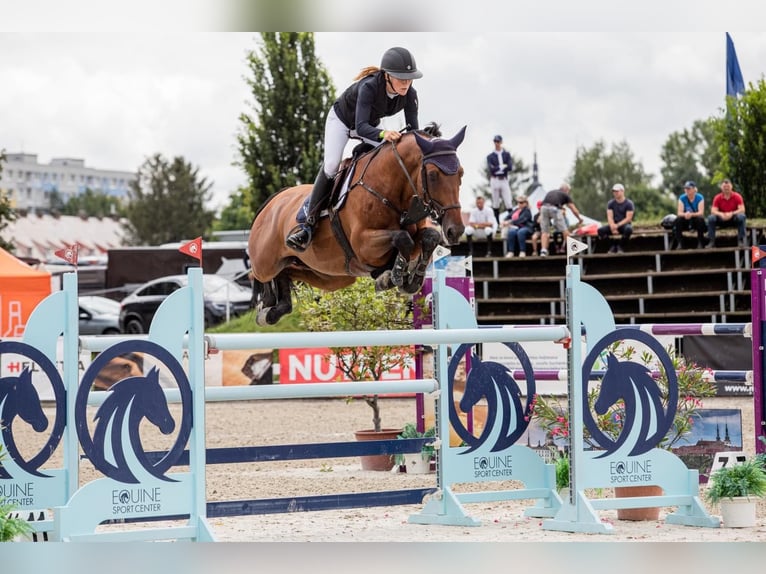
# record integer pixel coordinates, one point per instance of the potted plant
(416, 462)
(359, 307)
(735, 488)
(11, 527)
(553, 417)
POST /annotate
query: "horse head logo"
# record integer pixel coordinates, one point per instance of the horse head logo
(20, 401)
(646, 418)
(132, 403)
(507, 416)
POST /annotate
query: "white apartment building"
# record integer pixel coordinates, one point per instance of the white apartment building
(29, 184)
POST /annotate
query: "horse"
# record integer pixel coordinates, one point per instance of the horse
(633, 383)
(382, 228)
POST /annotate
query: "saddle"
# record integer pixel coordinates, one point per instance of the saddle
(337, 197)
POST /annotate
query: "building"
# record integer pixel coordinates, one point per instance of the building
(39, 235)
(29, 184)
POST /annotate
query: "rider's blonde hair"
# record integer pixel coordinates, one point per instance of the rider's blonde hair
(368, 71)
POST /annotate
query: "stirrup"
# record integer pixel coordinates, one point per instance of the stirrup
(296, 239)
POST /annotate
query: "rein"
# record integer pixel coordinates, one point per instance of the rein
(419, 208)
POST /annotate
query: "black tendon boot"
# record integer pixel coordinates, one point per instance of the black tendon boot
(469, 240)
(489, 246)
(300, 237)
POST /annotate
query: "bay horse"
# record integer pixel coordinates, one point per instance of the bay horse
(383, 227)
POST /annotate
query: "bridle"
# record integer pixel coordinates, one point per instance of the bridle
(422, 204)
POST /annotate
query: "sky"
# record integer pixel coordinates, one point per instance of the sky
(114, 98)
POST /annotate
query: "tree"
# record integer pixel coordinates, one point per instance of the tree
(167, 203)
(742, 145)
(281, 142)
(91, 204)
(359, 308)
(7, 213)
(691, 154)
(597, 169)
(237, 214)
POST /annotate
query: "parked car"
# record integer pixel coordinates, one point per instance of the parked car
(98, 315)
(221, 295)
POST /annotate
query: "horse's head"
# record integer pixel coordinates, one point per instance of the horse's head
(23, 400)
(441, 176)
(611, 390)
(153, 404)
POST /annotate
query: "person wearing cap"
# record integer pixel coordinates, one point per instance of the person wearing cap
(377, 92)
(727, 210)
(520, 226)
(619, 217)
(552, 215)
(690, 215)
(482, 223)
(499, 166)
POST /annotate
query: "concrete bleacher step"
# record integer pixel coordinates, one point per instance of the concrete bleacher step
(651, 285)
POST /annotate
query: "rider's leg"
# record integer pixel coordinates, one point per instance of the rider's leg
(300, 237)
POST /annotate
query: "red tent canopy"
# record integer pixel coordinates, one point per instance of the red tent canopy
(21, 289)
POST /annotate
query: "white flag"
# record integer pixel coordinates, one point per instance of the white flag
(440, 252)
(574, 247)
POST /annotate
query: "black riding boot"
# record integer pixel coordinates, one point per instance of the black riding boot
(300, 237)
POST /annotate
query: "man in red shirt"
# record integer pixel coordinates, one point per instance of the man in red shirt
(728, 210)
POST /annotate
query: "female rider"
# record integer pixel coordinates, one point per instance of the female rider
(376, 93)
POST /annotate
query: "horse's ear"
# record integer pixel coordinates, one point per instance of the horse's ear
(426, 146)
(457, 139)
(611, 360)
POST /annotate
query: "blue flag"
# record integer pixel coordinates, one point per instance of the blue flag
(735, 84)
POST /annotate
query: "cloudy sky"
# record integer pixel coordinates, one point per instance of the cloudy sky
(115, 98)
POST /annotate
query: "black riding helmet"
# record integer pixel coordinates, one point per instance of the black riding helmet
(399, 63)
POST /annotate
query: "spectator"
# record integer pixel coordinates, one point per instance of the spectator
(536, 233)
(727, 210)
(481, 222)
(520, 226)
(690, 215)
(552, 214)
(619, 215)
(499, 166)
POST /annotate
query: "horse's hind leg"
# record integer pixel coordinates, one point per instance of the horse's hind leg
(280, 289)
(263, 295)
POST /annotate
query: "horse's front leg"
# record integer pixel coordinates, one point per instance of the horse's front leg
(429, 239)
(404, 245)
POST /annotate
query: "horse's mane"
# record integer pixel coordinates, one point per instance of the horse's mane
(433, 129)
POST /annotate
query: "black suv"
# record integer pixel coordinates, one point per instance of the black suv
(220, 293)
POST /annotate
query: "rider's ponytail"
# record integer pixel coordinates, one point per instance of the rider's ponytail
(368, 71)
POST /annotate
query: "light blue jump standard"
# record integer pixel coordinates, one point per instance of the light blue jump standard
(134, 487)
(633, 459)
(493, 456)
(23, 482)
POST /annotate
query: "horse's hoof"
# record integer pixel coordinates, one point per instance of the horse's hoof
(262, 318)
(383, 282)
(411, 287)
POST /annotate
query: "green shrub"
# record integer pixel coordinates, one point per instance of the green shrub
(744, 479)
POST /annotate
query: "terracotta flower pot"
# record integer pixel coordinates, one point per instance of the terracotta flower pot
(377, 461)
(649, 513)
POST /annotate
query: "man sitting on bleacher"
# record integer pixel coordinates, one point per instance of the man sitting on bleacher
(728, 210)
